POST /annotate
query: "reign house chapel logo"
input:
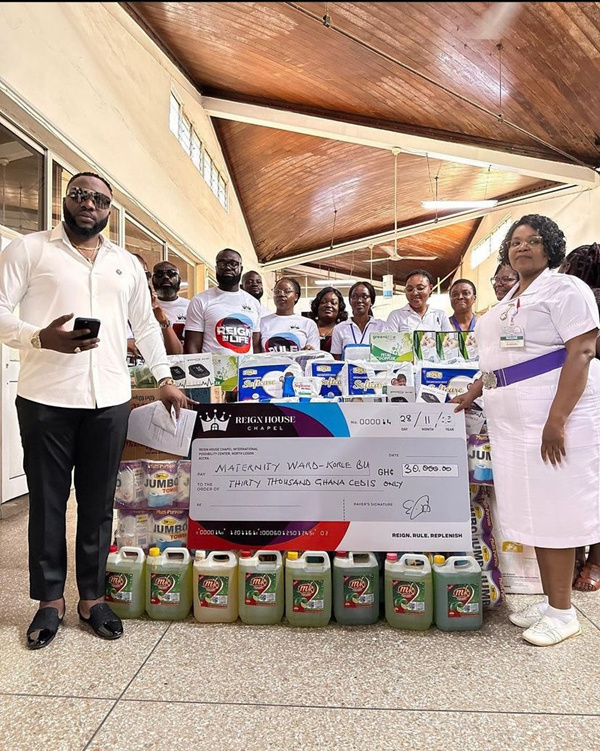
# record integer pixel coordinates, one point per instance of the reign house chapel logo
(215, 424)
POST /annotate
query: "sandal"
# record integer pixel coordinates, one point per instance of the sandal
(104, 622)
(43, 627)
(589, 579)
(579, 564)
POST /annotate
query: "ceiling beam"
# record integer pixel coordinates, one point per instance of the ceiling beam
(413, 229)
(380, 138)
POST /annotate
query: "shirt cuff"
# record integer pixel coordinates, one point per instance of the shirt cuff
(25, 334)
(161, 371)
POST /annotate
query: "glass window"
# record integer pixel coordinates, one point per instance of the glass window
(222, 192)
(60, 178)
(196, 152)
(185, 133)
(214, 180)
(21, 181)
(207, 167)
(174, 116)
(142, 243)
(490, 244)
(186, 272)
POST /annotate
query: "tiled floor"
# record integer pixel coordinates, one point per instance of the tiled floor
(229, 687)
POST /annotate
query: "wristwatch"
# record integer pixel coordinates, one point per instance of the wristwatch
(165, 325)
(36, 341)
(166, 382)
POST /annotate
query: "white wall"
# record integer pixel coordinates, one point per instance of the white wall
(90, 70)
(578, 216)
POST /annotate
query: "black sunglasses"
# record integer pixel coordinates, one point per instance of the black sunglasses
(81, 194)
(171, 273)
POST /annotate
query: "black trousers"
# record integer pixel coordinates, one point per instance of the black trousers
(55, 441)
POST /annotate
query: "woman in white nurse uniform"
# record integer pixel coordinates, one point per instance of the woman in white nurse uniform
(541, 387)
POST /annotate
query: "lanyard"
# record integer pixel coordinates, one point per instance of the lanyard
(456, 325)
(362, 338)
(509, 309)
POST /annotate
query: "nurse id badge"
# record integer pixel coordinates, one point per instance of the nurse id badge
(512, 336)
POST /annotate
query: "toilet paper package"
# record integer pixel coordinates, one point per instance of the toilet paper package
(184, 474)
(133, 528)
(129, 490)
(306, 357)
(480, 460)
(169, 528)
(161, 482)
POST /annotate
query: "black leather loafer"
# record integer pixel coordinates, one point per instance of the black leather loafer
(43, 628)
(105, 623)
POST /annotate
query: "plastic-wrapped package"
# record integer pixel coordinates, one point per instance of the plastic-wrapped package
(161, 482)
(261, 377)
(480, 460)
(492, 589)
(169, 528)
(133, 528)
(184, 472)
(129, 490)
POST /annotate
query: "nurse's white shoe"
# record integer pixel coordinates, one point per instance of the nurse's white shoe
(529, 615)
(546, 632)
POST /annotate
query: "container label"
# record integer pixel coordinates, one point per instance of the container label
(165, 589)
(359, 591)
(118, 587)
(463, 600)
(409, 597)
(260, 589)
(213, 591)
(308, 596)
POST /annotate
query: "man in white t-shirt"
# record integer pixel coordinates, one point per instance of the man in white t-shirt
(224, 319)
(253, 285)
(417, 315)
(166, 281)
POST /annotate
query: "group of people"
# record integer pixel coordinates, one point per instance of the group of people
(540, 383)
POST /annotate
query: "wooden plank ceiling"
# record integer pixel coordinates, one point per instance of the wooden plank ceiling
(274, 54)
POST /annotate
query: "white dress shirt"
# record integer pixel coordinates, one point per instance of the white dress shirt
(46, 277)
(347, 332)
(406, 319)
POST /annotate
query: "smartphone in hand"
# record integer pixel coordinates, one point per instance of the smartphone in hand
(93, 324)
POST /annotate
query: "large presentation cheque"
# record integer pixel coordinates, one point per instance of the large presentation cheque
(329, 476)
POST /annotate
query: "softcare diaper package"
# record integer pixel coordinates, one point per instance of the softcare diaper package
(454, 379)
(369, 377)
(261, 376)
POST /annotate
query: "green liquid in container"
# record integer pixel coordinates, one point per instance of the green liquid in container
(261, 597)
(408, 592)
(308, 588)
(457, 584)
(168, 584)
(355, 589)
(125, 586)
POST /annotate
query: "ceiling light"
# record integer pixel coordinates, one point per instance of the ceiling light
(335, 282)
(458, 204)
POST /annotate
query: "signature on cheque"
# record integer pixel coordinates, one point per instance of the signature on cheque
(414, 509)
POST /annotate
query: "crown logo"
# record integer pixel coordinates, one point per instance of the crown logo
(214, 424)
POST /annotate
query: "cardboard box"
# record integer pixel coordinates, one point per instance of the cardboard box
(394, 346)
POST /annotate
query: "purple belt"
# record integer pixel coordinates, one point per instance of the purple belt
(505, 376)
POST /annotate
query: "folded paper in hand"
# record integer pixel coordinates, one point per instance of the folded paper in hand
(152, 425)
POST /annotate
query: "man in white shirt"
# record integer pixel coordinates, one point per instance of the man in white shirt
(166, 281)
(253, 285)
(74, 392)
(224, 319)
(417, 315)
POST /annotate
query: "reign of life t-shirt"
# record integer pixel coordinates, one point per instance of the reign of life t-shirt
(176, 311)
(288, 333)
(227, 320)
